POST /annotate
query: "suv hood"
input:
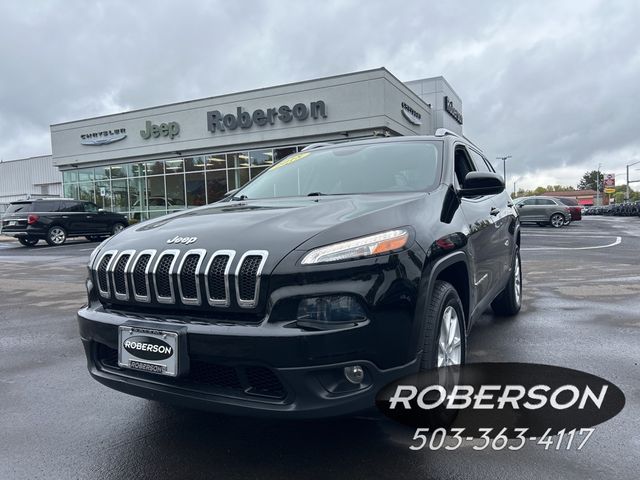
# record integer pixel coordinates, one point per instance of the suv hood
(276, 225)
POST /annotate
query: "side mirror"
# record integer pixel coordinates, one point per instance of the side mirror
(481, 183)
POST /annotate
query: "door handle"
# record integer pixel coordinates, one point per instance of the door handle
(495, 211)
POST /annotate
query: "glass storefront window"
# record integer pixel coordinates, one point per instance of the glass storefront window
(154, 168)
(238, 159)
(194, 164)
(71, 190)
(137, 197)
(136, 169)
(70, 176)
(156, 198)
(174, 166)
(280, 153)
(119, 196)
(175, 191)
(238, 177)
(119, 171)
(216, 185)
(261, 158)
(195, 186)
(102, 173)
(216, 162)
(255, 171)
(103, 195)
(85, 191)
(85, 175)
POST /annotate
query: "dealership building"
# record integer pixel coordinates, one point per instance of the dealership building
(151, 161)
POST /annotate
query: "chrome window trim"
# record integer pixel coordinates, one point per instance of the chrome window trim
(227, 300)
(201, 252)
(105, 293)
(172, 298)
(250, 303)
(122, 296)
(141, 298)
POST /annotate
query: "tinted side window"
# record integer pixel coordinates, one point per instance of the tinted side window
(20, 208)
(529, 201)
(46, 206)
(90, 207)
(481, 165)
(72, 207)
(544, 201)
(463, 164)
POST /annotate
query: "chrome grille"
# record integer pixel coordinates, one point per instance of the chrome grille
(140, 276)
(248, 274)
(119, 274)
(189, 277)
(180, 277)
(163, 276)
(217, 278)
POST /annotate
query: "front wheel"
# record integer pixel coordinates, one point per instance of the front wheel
(444, 337)
(28, 241)
(509, 301)
(56, 236)
(557, 220)
(567, 222)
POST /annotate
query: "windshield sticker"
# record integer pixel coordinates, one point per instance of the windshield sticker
(290, 160)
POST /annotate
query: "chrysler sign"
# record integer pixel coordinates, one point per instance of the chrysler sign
(104, 137)
(220, 122)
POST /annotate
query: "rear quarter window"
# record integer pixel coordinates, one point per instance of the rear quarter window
(46, 206)
(19, 208)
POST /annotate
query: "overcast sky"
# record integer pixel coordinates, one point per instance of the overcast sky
(554, 84)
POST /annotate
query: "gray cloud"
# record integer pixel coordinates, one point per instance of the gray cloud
(555, 84)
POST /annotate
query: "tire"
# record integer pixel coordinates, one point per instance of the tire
(567, 222)
(542, 224)
(27, 241)
(557, 220)
(509, 301)
(56, 236)
(94, 238)
(117, 228)
(444, 310)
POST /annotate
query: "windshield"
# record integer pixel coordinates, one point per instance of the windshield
(370, 168)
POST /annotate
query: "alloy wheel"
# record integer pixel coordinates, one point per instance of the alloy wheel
(517, 284)
(57, 235)
(449, 342)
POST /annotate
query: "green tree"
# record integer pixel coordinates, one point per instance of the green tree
(589, 181)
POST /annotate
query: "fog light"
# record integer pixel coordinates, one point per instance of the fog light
(354, 373)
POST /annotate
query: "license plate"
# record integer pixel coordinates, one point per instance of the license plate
(148, 350)
(13, 223)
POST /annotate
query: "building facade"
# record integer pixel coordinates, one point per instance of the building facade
(146, 163)
(34, 177)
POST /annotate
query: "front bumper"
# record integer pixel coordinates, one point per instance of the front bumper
(303, 377)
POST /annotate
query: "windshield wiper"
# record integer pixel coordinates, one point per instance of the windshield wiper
(317, 194)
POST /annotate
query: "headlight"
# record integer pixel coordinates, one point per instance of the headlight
(358, 247)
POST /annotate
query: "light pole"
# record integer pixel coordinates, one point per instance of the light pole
(598, 185)
(504, 165)
(626, 199)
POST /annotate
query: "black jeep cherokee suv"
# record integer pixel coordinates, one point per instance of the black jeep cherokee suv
(55, 220)
(334, 272)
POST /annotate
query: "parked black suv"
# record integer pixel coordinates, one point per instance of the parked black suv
(55, 220)
(336, 271)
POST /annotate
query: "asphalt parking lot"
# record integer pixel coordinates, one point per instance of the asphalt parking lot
(581, 310)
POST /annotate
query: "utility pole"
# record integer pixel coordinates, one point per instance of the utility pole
(504, 166)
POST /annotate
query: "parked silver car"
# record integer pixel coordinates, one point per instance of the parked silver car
(543, 211)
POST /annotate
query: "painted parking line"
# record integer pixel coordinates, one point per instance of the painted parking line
(617, 241)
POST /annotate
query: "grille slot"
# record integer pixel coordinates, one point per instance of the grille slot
(140, 276)
(102, 275)
(189, 276)
(163, 276)
(248, 277)
(217, 278)
(119, 275)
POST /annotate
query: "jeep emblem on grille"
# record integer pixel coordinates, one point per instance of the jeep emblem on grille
(183, 240)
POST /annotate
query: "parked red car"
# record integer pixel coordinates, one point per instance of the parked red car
(574, 208)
